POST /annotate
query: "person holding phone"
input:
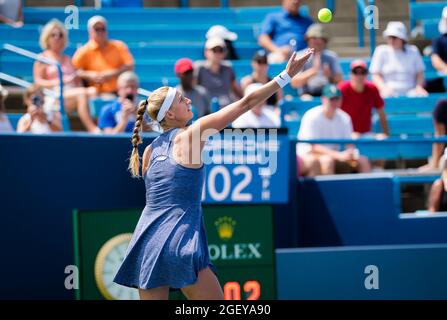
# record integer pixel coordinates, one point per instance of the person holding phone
(120, 115)
(36, 120)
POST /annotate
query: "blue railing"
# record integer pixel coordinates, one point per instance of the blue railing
(34, 56)
(362, 14)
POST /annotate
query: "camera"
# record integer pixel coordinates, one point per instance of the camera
(37, 101)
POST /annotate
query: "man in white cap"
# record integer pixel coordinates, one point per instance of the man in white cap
(219, 31)
(397, 68)
(216, 75)
(100, 61)
(321, 69)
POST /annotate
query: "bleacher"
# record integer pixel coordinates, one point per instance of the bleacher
(158, 37)
(427, 14)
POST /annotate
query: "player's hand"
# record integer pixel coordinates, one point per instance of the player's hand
(296, 62)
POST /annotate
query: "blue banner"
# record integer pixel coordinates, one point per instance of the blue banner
(246, 166)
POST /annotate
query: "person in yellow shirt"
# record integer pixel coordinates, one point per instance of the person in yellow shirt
(100, 61)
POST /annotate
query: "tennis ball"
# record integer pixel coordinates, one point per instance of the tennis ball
(325, 15)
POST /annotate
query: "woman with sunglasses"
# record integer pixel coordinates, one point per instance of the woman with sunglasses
(216, 75)
(397, 68)
(53, 40)
(169, 247)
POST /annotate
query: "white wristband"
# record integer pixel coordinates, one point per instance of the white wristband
(283, 79)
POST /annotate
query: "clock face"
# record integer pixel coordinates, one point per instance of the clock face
(108, 260)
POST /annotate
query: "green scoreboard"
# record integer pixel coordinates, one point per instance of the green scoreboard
(240, 241)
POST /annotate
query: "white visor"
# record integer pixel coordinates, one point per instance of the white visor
(167, 103)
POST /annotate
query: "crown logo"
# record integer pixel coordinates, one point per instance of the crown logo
(225, 227)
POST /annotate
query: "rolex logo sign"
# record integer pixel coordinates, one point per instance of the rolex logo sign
(225, 227)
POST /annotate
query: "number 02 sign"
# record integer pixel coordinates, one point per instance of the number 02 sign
(247, 169)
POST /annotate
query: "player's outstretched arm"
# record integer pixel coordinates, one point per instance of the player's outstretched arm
(222, 118)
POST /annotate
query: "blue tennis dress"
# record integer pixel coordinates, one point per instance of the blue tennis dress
(169, 245)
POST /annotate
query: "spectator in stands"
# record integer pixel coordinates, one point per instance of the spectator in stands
(36, 120)
(283, 32)
(120, 115)
(437, 199)
(321, 69)
(53, 41)
(101, 60)
(359, 98)
(260, 116)
(397, 68)
(229, 37)
(439, 55)
(11, 12)
(260, 67)
(198, 95)
(5, 124)
(329, 122)
(216, 75)
(440, 122)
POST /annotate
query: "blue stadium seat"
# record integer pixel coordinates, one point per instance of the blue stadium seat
(425, 11)
(412, 125)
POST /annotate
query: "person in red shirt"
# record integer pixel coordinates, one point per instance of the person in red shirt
(359, 98)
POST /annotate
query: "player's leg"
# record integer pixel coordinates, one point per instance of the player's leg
(207, 287)
(161, 293)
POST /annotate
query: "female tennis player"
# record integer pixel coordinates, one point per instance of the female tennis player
(169, 247)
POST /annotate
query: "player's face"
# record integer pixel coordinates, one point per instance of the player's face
(181, 109)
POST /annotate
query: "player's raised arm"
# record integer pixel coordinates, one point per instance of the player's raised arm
(222, 118)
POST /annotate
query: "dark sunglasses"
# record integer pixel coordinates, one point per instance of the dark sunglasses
(218, 50)
(58, 35)
(99, 29)
(261, 61)
(360, 72)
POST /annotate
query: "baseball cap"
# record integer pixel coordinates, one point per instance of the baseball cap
(331, 91)
(317, 30)
(219, 31)
(94, 20)
(214, 42)
(358, 64)
(182, 65)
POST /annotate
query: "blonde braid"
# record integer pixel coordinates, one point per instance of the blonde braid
(134, 163)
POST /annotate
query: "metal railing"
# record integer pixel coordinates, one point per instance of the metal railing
(362, 14)
(36, 57)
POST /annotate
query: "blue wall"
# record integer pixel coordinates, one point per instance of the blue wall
(359, 210)
(43, 178)
(403, 272)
